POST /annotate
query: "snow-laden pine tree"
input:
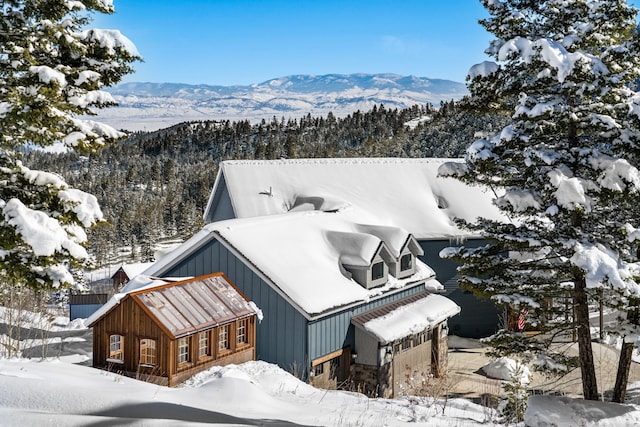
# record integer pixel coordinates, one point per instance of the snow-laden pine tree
(564, 172)
(52, 72)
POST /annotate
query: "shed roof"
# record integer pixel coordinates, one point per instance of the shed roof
(189, 306)
(407, 316)
(405, 193)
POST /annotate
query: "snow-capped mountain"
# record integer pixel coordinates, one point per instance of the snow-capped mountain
(150, 106)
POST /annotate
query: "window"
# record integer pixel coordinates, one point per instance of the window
(148, 351)
(223, 337)
(183, 350)
(377, 271)
(406, 262)
(116, 347)
(318, 369)
(203, 344)
(242, 331)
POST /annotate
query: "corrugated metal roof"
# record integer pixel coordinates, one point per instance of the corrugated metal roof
(196, 304)
(80, 299)
(386, 309)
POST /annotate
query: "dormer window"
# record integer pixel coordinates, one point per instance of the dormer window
(377, 271)
(406, 262)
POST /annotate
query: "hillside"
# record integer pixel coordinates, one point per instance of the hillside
(152, 106)
(153, 186)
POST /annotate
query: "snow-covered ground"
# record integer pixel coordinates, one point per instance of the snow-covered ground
(60, 392)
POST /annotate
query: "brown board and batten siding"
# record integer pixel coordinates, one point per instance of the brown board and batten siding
(169, 313)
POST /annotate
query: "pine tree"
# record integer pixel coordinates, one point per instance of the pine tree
(564, 170)
(52, 70)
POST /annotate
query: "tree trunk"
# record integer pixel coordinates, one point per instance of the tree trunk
(589, 382)
(622, 376)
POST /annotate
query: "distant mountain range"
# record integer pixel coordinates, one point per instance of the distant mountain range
(151, 106)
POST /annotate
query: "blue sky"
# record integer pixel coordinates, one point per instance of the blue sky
(227, 42)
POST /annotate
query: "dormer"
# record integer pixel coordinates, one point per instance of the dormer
(362, 256)
(404, 248)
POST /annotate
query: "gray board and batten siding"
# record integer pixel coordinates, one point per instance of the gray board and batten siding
(285, 336)
(478, 318)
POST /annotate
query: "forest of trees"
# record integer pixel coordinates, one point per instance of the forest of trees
(154, 186)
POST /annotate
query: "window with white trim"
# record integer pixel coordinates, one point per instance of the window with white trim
(223, 337)
(203, 340)
(377, 270)
(183, 350)
(406, 262)
(242, 331)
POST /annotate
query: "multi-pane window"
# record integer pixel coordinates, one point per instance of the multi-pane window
(377, 270)
(203, 343)
(148, 351)
(183, 350)
(223, 337)
(116, 347)
(406, 262)
(242, 331)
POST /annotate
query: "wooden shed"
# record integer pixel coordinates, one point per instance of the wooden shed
(167, 333)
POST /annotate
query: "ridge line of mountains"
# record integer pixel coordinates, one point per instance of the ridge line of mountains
(152, 106)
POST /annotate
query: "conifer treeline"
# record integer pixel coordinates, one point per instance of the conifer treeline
(154, 186)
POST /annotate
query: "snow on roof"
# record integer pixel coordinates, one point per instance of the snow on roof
(401, 192)
(293, 251)
(411, 318)
(132, 270)
(355, 249)
(140, 282)
(395, 238)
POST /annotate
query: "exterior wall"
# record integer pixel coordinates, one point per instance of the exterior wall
(282, 333)
(130, 321)
(222, 202)
(370, 283)
(335, 370)
(366, 348)
(335, 331)
(373, 380)
(119, 278)
(82, 311)
(478, 318)
(406, 273)
(410, 369)
(235, 354)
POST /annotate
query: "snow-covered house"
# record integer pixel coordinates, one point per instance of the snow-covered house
(166, 331)
(312, 273)
(404, 193)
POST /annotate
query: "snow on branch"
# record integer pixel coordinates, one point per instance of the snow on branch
(43, 233)
(483, 69)
(617, 174)
(552, 53)
(602, 265)
(453, 169)
(520, 200)
(111, 40)
(571, 191)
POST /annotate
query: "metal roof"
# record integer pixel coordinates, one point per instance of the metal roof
(363, 318)
(189, 306)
